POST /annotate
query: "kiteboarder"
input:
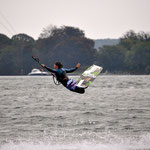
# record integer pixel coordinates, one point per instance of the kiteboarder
(61, 76)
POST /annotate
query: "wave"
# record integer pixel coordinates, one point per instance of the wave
(112, 143)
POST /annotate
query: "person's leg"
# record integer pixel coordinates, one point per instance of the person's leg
(79, 90)
(71, 85)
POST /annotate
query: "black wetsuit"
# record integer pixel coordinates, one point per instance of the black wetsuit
(64, 80)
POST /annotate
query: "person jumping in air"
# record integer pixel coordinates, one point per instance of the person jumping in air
(61, 76)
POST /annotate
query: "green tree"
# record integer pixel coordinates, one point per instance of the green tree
(23, 44)
(138, 59)
(111, 58)
(4, 41)
(129, 39)
(66, 44)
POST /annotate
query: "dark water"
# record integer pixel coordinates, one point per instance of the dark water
(113, 114)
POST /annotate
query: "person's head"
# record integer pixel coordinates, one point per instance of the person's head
(58, 65)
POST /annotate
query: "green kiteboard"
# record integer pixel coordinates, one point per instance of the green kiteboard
(88, 76)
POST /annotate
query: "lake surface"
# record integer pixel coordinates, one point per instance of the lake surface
(113, 114)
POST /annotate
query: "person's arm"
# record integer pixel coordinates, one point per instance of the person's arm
(70, 70)
(73, 69)
(49, 69)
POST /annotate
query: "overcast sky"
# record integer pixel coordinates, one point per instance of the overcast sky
(97, 18)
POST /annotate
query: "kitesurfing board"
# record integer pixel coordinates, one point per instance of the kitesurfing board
(88, 76)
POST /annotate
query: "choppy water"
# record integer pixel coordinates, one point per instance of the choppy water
(113, 114)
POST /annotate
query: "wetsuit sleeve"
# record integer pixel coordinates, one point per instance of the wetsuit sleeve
(70, 70)
(50, 70)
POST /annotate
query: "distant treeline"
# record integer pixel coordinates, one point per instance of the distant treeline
(103, 42)
(70, 46)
